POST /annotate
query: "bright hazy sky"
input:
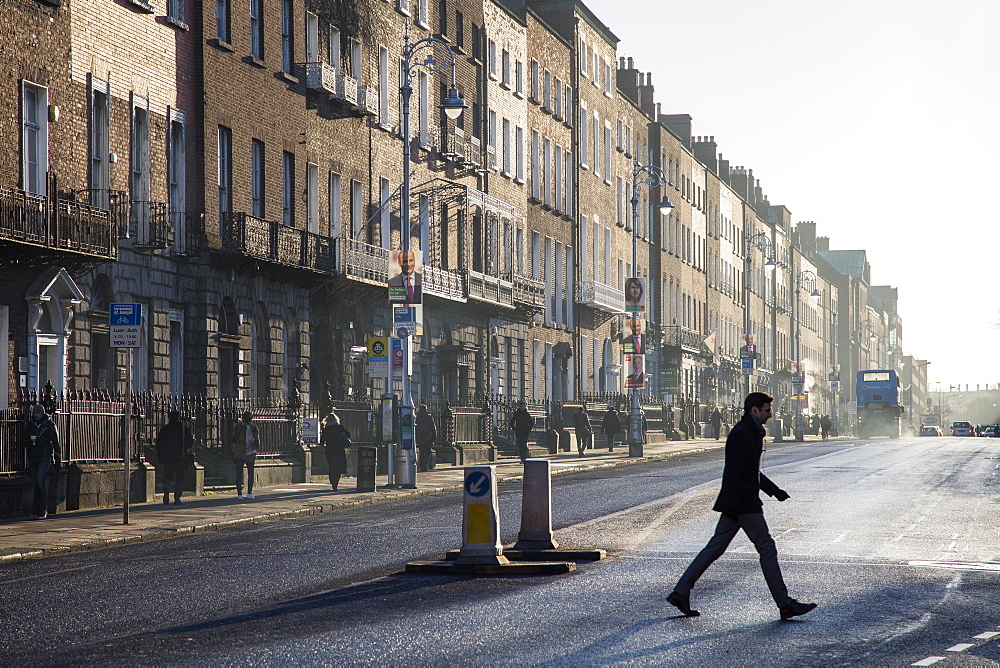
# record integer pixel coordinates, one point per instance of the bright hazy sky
(878, 119)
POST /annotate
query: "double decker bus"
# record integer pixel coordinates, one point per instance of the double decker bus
(878, 403)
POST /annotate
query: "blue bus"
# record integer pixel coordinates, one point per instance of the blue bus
(878, 403)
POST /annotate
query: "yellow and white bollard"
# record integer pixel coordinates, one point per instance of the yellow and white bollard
(481, 518)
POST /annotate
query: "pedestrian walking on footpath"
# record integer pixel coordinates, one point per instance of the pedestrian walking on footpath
(336, 440)
(425, 431)
(611, 426)
(584, 432)
(245, 445)
(741, 508)
(173, 446)
(521, 423)
(41, 445)
(716, 421)
(824, 426)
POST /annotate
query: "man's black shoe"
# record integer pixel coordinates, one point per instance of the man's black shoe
(682, 603)
(793, 609)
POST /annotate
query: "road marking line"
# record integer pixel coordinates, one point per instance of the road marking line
(987, 635)
(929, 661)
(960, 647)
(958, 565)
(840, 537)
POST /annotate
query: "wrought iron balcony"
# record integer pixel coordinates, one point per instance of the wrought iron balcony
(600, 296)
(529, 292)
(368, 100)
(492, 289)
(321, 76)
(273, 242)
(675, 335)
(57, 224)
(189, 232)
(365, 262)
(149, 225)
(347, 89)
(459, 147)
(443, 283)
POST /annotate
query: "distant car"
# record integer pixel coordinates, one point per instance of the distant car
(962, 428)
(990, 430)
(930, 430)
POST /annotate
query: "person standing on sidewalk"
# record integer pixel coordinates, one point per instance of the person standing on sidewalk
(741, 508)
(245, 446)
(426, 434)
(42, 451)
(173, 442)
(716, 421)
(611, 426)
(584, 432)
(521, 423)
(337, 439)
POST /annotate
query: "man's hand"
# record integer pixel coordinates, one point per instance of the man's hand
(781, 495)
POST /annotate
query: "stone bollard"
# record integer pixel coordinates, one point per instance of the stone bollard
(536, 507)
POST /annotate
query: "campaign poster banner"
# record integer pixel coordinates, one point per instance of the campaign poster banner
(405, 284)
(635, 295)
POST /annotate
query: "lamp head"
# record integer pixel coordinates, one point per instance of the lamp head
(815, 293)
(665, 206)
(770, 264)
(453, 104)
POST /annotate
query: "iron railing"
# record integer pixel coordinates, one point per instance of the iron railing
(57, 224)
(271, 241)
(600, 296)
(150, 224)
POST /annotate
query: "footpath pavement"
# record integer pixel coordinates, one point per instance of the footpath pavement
(96, 529)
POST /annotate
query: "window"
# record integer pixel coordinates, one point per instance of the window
(356, 60)
(403, 6)
(423, 15)
(519, 78)
(568, 102)
(492, 54)
(287, 19)
(534, 80)
(225, 175)
(385, 204)
(597, 71)
(177, 175)
(175, 10)
(607, 153)
(505, 68)
(443, 18)
(557, 89)
(459, 30)
(257, 29)
(492, 141)
(597, 144)
(584, 60)
(312, 38)
(222, 21)
(312, 198)
(569, 182)
(424, 108)
(519, 149)
(507, 153)
(35, 138)
(383, 86)
(288, 197)
(608, 82)
(334, 47)
(547, 169)
(99, 131)
(336, 204)
(547, 90)
(257, 179)
(535, 166)
(583, 136)
(557, 177)
(357, 207)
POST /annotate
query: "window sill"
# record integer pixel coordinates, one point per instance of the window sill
(518, 180)
(176, 23)
(386, 127)
(519, 94)
(141, 5)
(51, 3)
(221, 45)
(287, 77)
(423, 24)
(505, 85)
(493, 77)
(444, 38)
(404, 12)
(257, 62)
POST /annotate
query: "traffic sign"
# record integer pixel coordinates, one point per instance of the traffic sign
(310, 430)
(125, 322)
(402, 332)
(378, 356)
(747, 365)
(477, 483)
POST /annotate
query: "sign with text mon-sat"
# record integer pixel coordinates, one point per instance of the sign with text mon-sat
(125, 321)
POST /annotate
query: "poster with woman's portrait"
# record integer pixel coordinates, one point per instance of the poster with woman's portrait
(635, 295)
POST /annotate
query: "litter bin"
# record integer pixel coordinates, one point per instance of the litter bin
(366, 468)
(776, 429)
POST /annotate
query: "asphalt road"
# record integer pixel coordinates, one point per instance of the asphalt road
(896, 540)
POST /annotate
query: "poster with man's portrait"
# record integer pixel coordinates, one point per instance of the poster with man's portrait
(405, 286)
(635, 295)
(634, 336)
(636, 378)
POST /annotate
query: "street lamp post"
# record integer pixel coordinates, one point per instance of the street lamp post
(650, 176)
(416, 56)
(801, 276)
(761, 242)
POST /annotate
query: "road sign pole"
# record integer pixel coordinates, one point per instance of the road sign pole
(127, 436)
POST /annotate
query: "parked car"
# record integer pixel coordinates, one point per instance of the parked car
(990, 430)
(962, 428)
(930, 430)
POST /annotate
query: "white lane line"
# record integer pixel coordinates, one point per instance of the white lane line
(958, 565)
(929, 661)
(840, 537)
(960, 647)
(987, 635)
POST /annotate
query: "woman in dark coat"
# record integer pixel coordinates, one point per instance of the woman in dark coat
(336, 439)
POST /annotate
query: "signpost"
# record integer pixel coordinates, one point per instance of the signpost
(126, 324)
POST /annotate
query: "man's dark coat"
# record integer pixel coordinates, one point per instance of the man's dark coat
(742, 480)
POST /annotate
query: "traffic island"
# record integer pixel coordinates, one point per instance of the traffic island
(515, 554)
(494, 569)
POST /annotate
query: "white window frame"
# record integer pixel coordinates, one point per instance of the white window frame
(312, 197)
(336, 206)
(385, 212)
(288, 188)
(519, 154)
(334, 47)
(534, 80)
(34, 138)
